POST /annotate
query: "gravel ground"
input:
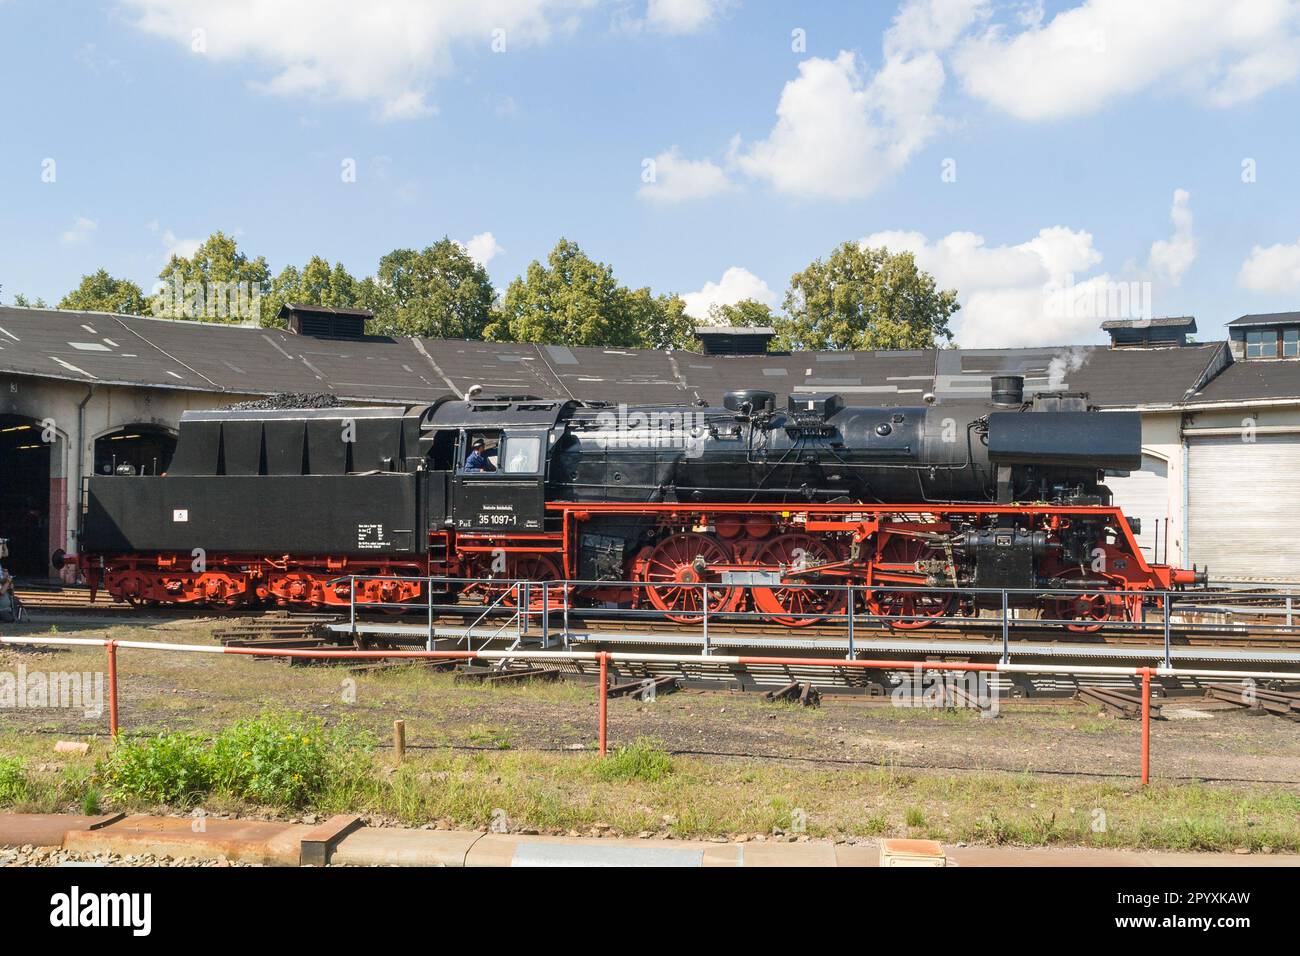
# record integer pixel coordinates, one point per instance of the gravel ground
(57, 856)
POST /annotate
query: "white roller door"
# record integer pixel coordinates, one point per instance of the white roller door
(1144, 495)
(1242, 502)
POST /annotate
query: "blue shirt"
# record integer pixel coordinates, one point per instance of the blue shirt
(478, 461)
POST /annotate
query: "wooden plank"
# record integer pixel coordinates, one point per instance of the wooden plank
(317, 845)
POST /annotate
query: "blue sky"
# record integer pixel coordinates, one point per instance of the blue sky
(1015, 148)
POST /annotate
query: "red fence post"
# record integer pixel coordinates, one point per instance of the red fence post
(111, 646)
(1146, 725)
(604, 706)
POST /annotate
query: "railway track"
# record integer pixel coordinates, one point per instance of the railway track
(280, 629)
(1180, 635)
(1244, 635)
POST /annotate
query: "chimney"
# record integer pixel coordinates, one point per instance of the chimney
(1166, 332)
(1008, 390)
(325, 322)
(738, 340)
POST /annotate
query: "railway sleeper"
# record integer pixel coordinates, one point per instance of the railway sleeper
(648, 686)
(796, 692)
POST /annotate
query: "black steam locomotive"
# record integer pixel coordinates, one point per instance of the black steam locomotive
(774, 508)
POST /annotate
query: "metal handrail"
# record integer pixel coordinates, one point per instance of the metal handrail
(1005, 620)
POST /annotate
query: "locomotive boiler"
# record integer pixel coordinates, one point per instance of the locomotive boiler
(926, 510)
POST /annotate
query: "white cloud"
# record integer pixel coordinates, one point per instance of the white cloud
(173, 245)
(1041, 292)
(839, 135)
(932, 24)
(1171, 257)
(81, 230)
(1026, 294)
(842, 130)
(736, 285)
(482, 248)
(677, 179)
(682, 16)
(177, 246)
(1227, 51)
(1272, 269)
(383, 52)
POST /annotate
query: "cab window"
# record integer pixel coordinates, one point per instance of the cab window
(521, 455)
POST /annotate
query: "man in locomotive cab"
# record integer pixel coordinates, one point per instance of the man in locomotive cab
(478, 459)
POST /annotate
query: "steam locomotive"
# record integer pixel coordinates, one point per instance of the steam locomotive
(774, 508)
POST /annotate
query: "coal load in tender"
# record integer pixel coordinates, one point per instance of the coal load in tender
(286, 400)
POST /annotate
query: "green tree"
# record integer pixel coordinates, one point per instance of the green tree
(574, 300)
(218, 283)
(865, 299)
(23, 302)
(747, 313)
(100, 292)
(439, 292)
(660, 320)
(316, 283)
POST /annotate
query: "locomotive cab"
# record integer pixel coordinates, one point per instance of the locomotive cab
(518, 432)
(513, 496)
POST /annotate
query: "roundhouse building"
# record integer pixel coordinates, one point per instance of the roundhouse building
(84, 393)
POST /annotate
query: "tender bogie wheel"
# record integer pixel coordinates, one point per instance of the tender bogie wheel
(1092, 610)
(912, 610)
(674, 571)
(390, 595)
(791, 553)
(533, 568)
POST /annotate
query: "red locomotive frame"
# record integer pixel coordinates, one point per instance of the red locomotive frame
(869, 546)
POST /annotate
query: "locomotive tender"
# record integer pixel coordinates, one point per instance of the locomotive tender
(772, 507)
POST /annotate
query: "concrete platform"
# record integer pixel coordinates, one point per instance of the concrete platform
(280, 844)
(386, 846)
(47, 829)
(245, 841)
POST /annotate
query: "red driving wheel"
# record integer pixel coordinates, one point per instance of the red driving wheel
(674, 571)
(793, 554)
(1092, 610)
(913, 609)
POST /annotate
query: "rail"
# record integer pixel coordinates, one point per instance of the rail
(602, 660)
(846, 607)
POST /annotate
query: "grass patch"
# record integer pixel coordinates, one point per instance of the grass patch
(275, 759)
(90, 801)
(494, 738)
(639, 788)
(14, 785)
(168, 768)
(642, 760)
(283, 759)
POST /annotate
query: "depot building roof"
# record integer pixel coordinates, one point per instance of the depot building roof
(93, 347)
